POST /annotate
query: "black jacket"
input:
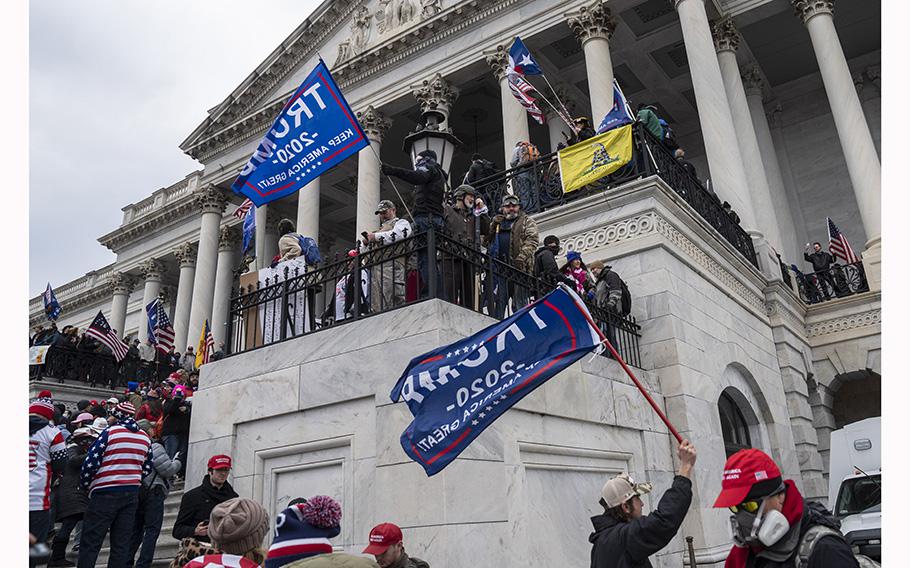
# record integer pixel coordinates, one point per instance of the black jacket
(70, 499)
(462, 224)
(175, 421)
(546, 269)
(197, 504)
(820, 260)
(429, 186)
(479, 170)
(619, 544)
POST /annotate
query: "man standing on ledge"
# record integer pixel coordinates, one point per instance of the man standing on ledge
(623, 537)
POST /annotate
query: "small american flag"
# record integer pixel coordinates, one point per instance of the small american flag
(160, 330)
(838, 245)
(521, 89)
(240, 213)
(102, 331)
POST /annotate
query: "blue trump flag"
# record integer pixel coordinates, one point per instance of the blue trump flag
(249, 230)
(51, 305)
(456, 391)
(315, 131)
(521, 61)
(619, 115)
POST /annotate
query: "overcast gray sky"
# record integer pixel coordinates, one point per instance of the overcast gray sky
(114, 87)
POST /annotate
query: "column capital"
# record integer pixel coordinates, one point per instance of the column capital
(752, 80)
(436, 94)
(186, 254)
(374, 123)
(774, 114)
(229, 238)
(594, 21)
(807, 9)
(152, 269)
(725, 34)
(498, 60)
(121, 283)
(210, 199)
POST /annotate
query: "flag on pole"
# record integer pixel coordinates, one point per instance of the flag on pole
(240, 213)
(51, 305)
(315, 132)
(456, 391)
(838, 245)
(160, 330)
(594, 158)
(101, 330)
(521, 90)
(521, 61)
(206, 345)
(249, 230)
(619, 115)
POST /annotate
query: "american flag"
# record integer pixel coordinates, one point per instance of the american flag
(206, 345)
(521, 89)
(101, 330)
(240, 213)
(838, 245)
(160, 330)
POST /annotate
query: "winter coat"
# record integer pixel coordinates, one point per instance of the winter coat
(651, 122)
(462, 224)
(608, 290)
(334, 560)
(188, 362)
(135, 399)
(70, 498)
(523, 242)
(545, 267)
(687, 165)
(163, 469)
(429, 185)
(405, 561)
(197, 504)
(176, 422)
(620, 544)
(820, 260)
(479, 170)
(145, 412)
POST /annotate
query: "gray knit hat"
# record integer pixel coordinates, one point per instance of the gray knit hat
(238, 525)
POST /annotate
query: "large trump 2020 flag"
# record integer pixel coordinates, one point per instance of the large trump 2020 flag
(315, 132)
(456, 391)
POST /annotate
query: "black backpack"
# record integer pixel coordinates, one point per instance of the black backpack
(625, 307)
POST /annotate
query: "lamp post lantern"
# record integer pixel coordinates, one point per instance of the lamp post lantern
(430, 135)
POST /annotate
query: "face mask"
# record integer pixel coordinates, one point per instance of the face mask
(759, 527)
(773, 527)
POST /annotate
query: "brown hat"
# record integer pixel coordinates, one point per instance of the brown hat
(238, 525)
(596, 264)
(620, 489)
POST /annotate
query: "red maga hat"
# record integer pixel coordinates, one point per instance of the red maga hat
(382, 537)
(744, 469)
(220, 461)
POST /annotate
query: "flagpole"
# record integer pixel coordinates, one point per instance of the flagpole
(400, 198)
(556, 96)
(559, 113)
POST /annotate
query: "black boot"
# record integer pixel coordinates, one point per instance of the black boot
(58, 555)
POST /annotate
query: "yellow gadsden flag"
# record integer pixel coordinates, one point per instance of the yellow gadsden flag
(592, 159)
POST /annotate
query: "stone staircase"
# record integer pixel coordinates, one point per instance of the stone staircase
(167, 546)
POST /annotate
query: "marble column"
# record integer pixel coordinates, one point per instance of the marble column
(186, 255)
(211, 202)
(271, 236)
(375, 125)
(863, 162)
(262, 260)
(556, 126)
(121, 284)
(152, 271)
(782, 152)
(593, 27)
(228, 254)
(790, 242)
(728, 176)
(726, 42)
(308, 210)
(514, 116)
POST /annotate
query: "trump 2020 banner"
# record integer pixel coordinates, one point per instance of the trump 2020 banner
(456, 391)
(315, 131)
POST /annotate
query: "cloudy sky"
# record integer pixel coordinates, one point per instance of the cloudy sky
(114, 87)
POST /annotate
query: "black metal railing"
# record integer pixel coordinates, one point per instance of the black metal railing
(94, 369)
(539, 187)
(839, 281)
(414, 269)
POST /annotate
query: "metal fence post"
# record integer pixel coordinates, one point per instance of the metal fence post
(229, 332)
(431, 261)
(283, 334)
(357, 286)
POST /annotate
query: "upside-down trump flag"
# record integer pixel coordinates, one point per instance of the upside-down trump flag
(456, 391)
(315, 132)
(594, 158)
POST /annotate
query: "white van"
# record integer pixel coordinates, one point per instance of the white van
(854, 484)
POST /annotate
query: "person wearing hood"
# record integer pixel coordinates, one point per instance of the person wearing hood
(647, 115)
(575, 269)
(623, 537)
(196, 504)
(429, 181)
(46, 458)
(71, 500)
(773, 526)
(545, 266)
(113, 484)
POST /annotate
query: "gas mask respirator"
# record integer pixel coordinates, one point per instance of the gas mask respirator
(760, 527)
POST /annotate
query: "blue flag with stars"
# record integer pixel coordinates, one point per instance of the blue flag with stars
(315, 132)
(521, 61)
(456, 391)
(51, 305)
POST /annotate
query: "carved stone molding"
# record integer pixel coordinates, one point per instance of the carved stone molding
(774, 115)
(123, 236)
(871, 75)
(429, 8)
(186, 254)
(498, 61)
(229, 238)
(210, 199)
(777, 308)
(594, 21)
(121, 283)
(436, 94)
(627, 229)
(361, 25)
(752, 79)
(725, 34)
(845, 323)
(374, 123)
(807, 9)
(152, 269)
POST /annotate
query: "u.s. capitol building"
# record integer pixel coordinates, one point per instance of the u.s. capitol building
(777, 106)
